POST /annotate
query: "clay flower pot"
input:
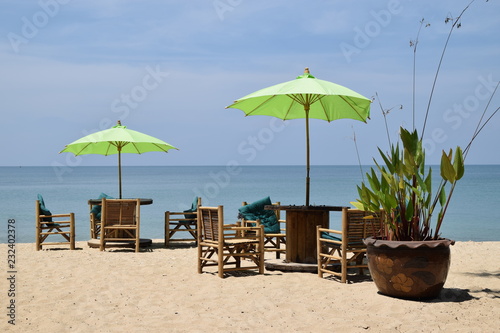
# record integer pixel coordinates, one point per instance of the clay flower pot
(409, 269)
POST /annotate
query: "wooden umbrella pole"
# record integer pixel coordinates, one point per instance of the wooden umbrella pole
(306, 109)
(120, 170)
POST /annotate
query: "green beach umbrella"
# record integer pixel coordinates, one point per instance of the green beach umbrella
(117, 140)
(306, 97)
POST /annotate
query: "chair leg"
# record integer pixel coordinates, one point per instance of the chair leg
(72, 231)
(167, 236)
(102, 243)
(359, 262)
(37, 245)
(343, 265)
(220, 261)
(261, 261)
(199, 258)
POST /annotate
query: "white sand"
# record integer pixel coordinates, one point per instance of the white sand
(160, 291)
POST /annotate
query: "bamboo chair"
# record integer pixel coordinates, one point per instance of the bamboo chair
(272, 241)
(95, 225)
(183, 222)
(120, 221)
(224, 246)
(345, 249)
(51, 225)
(95, 217)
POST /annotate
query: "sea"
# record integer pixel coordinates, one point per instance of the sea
(470, 216)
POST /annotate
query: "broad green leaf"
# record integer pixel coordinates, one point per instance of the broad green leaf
(386, 161)
(428, 180)
(373, 180)
(458, 163)
(442, 196)
(409, 211)
(447, 170)
(358, 205)
(410, 140)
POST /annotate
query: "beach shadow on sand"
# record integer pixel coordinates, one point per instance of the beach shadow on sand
(61, 249)
(447, 295)
(351, 279)
(484, 274)
(452, 295)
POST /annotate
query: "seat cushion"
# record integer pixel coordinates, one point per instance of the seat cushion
(330, 236)
(194, 208)
(43, 209)
(256, 211)
(96, 210)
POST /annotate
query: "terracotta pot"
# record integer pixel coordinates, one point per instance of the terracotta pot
(409, 269)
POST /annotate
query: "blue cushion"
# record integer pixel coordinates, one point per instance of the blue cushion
(96, 210)
(194, 208)
(43, 210)
(330, 236)
(256, 211)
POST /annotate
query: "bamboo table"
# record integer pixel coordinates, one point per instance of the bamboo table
(301, 222)
(94, 242)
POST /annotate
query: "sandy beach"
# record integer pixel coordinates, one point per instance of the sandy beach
(160, 291)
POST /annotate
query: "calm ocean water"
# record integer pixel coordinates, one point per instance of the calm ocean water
(173, 187)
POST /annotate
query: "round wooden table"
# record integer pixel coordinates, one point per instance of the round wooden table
(144, 242)
(144, 201)
(301, 222)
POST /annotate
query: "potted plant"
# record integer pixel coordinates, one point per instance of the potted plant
(410, 259)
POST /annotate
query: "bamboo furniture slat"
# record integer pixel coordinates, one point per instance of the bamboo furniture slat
(176, 222)
(349, 251)
(301, 222)
(225, 246)
(95, 222)
(120, 221)
(45, 229)
(272, 241)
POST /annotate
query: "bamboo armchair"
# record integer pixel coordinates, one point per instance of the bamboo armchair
(183, 222)
(55, 226)
(273, 241)
(344, 248)
(224, 246)
(120, 221)
(95, 225)
(95, 217)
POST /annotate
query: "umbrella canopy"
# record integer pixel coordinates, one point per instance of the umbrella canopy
(306, 97)
(117, 140)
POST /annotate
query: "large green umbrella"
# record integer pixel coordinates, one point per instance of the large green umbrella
(306, 97)
(117, 140)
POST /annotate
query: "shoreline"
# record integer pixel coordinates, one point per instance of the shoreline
(87, 290)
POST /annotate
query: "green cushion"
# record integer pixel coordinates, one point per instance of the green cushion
(43, 210)
(330, 236)
(256, 211)
(96, 210)
(194, 208)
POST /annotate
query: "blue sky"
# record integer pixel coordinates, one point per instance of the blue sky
(169, 69)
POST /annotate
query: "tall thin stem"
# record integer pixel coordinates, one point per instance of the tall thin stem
(414, 71)
(357, 153)
(385, 118)
(479, 126)
(455, 23)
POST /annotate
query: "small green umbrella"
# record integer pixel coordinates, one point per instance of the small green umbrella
(117, 140)
(306, 97)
